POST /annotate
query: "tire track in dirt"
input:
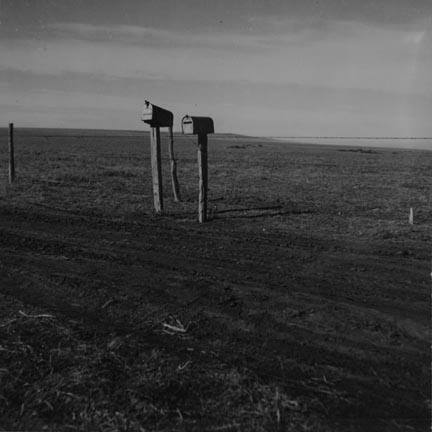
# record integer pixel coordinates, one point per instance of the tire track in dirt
(293, 270)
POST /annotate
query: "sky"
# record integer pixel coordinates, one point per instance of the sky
(265, 68)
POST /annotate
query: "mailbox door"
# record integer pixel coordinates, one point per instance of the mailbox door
(197, 125)
(147, 113)
(156, 116)
(187, 125)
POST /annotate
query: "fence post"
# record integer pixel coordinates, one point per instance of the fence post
(11, 154)
(155, 150)
(203, 177)
(174, 179)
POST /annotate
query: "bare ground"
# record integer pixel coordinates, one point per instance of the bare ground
(304, 304)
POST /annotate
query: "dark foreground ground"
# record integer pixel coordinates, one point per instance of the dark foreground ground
(303, 305)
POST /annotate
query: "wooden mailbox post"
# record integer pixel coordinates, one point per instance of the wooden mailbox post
(200, 126)
(158, 117)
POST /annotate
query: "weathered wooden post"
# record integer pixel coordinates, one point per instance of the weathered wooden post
(156, 117)
(200, 126)
(155, 156)
(203, 178)
(411, 216)
(174, 179)
(11, 154)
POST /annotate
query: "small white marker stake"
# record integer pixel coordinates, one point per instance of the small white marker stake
(411, 216)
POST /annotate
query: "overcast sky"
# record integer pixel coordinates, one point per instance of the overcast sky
(269, 67)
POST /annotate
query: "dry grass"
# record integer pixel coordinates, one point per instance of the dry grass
(303, 305)
(69, 377)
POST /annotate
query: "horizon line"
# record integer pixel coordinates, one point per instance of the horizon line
(352, 137)
(239, 133)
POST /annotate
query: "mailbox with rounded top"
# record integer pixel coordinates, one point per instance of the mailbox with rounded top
(156, 116)
(192, 125)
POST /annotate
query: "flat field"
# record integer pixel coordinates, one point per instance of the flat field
(304, 304)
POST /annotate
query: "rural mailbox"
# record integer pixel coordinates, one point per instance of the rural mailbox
(192, 125)
(200, 126)
(156, 116)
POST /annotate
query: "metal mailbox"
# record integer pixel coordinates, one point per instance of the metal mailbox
(156, 116)
(192, 125)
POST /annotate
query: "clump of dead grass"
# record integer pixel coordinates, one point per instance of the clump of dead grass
(59, 374)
